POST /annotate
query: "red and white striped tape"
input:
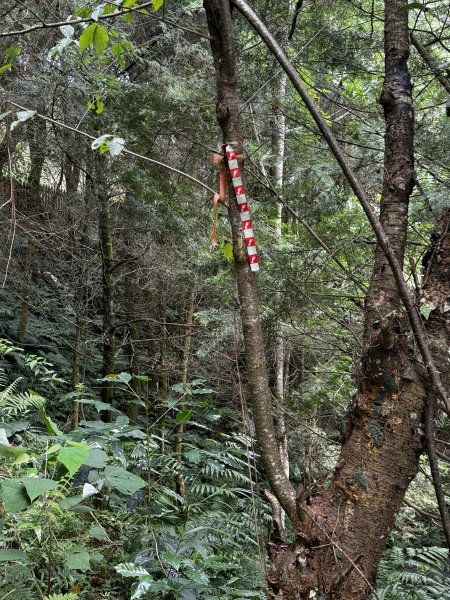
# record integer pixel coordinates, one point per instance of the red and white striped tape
(241, 199)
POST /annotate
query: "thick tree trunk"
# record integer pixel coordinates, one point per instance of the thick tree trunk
(344, 530)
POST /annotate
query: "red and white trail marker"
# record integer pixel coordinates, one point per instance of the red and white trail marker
(242, 201)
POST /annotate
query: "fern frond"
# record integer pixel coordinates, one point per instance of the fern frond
(414, 574)
(8, 394)
(13, 402)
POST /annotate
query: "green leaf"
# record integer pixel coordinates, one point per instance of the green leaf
(425, 310)
(98, 533)
(123, 481)
(11, 451)
(173, 560)
(100, 38)
(148, 584)
(5, 68)
(193, 456)
(101, 144)
(131, 570)
(184, 416)
(77, 559)
(51, 426)
(11, 53)
(86, 38)
(73, 457)
(6, 554)
(157, 4)
(115, 147)
(117, 50)
(23, 458)
(68, 503)
(94, 35)
(3, 116)
(96, 458)
(36, 486)
(54, 448)
(96, 104)
(123, 377)
(199, 577)
(14, 495)
(227, 250)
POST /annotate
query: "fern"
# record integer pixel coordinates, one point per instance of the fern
(13, 401)
(17, 591)
(414, 574)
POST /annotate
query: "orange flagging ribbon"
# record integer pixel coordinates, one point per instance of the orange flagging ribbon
(218, 197)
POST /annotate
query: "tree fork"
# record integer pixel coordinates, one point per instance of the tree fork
(405, 294)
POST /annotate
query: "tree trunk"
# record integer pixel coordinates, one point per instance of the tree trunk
(278, 149)
(344, 530)
(133, 348)
(279, 144)
(228, 110)
(106, 249)
(72, 177)
(186, 352)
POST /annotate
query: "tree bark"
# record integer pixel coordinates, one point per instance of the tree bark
(278, 149)
(381, 450)
(72, 177)
(133, 346)
(279, 144)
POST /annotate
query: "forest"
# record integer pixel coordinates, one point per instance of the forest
(225, 299)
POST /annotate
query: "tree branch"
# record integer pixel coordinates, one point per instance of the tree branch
(430, 62)
(77, 21)
(124, 151)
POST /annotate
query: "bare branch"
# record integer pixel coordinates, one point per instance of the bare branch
(125, 151)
